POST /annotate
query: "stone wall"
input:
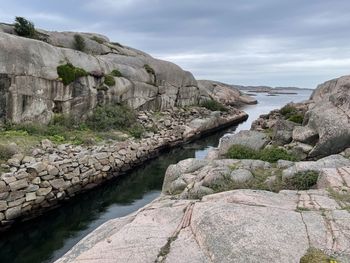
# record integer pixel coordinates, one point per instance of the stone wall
(56, 173)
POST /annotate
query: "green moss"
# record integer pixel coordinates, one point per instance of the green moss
(297, 118)
(99, 40)
(116, 73)
(79, 42)
(149, 69)
(314, 255)
(288, 110)
(109, 80)
(213, 105)
(68, 73)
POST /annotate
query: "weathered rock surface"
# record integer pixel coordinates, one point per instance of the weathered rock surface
(31, 90)
(252, 139)
(234, 226)
(225, 93)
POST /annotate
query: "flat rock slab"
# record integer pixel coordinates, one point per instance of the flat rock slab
(233, 226)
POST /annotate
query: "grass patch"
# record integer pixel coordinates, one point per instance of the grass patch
(272, 154)
(314, 255)
(68, 73)
(97, 39)
(109, 80)
(297, 118)
(213, 105)
(116, 73)
(79, 42)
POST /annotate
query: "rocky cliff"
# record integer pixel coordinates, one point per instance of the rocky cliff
(32, 90)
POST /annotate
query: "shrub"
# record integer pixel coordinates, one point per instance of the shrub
(149, 69)
(297, 118)
(99, 40)
(213, 105)
(288, 110)
(136, 130)
(273, 154)
(116, 73)
(302, 180)
(24, 28)
(241, 152)
(79, 42)
(63, 120)
(110, 117)
(109, 80)
(68, 73)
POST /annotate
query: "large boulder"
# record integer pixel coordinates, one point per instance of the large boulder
(326, 124)
(252, 139)
(31, 89)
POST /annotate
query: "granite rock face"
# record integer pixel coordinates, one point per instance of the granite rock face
(30, 88)
(225, 93)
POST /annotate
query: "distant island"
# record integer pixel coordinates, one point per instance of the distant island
(269, 90)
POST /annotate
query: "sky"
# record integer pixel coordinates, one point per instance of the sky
(247, 42)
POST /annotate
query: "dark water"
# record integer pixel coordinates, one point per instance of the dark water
(47, 238)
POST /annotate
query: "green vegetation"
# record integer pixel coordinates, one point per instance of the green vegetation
(109, 80)
(6, 152)
(68, 73)
(213, 105)
(115, 117)
(99, 40)
(24, 28)
(314, 255)
(302, 180)
(117, 44)
(271, 154)
(149, 69)
(297, 118)
(291, 113)
(116, 73)
(79, 42)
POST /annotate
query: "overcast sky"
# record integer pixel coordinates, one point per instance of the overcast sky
(249, 42)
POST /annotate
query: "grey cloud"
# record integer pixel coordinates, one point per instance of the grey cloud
(272, 42)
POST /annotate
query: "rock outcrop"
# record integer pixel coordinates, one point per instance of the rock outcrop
(325, 127)
(233, 226)
(31, 90)
(224, 93)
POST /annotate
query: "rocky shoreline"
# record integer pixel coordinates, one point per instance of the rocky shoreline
(249, 210)
(56, 173)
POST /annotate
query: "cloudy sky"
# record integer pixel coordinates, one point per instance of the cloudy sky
(250, 42)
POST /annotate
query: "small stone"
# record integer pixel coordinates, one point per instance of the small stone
(21, 175)
(16, 202)
(20, 184)
(28, 159)
(46, 144)
(58, 183)
(30, 197)
(8, 178)
(3, 187)
(36, 180)
(44, 191)
(13, 212)
(37, 168)
(14, 162)
(106, 168)
(52, 170)
(32, 188)
(3, 205)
